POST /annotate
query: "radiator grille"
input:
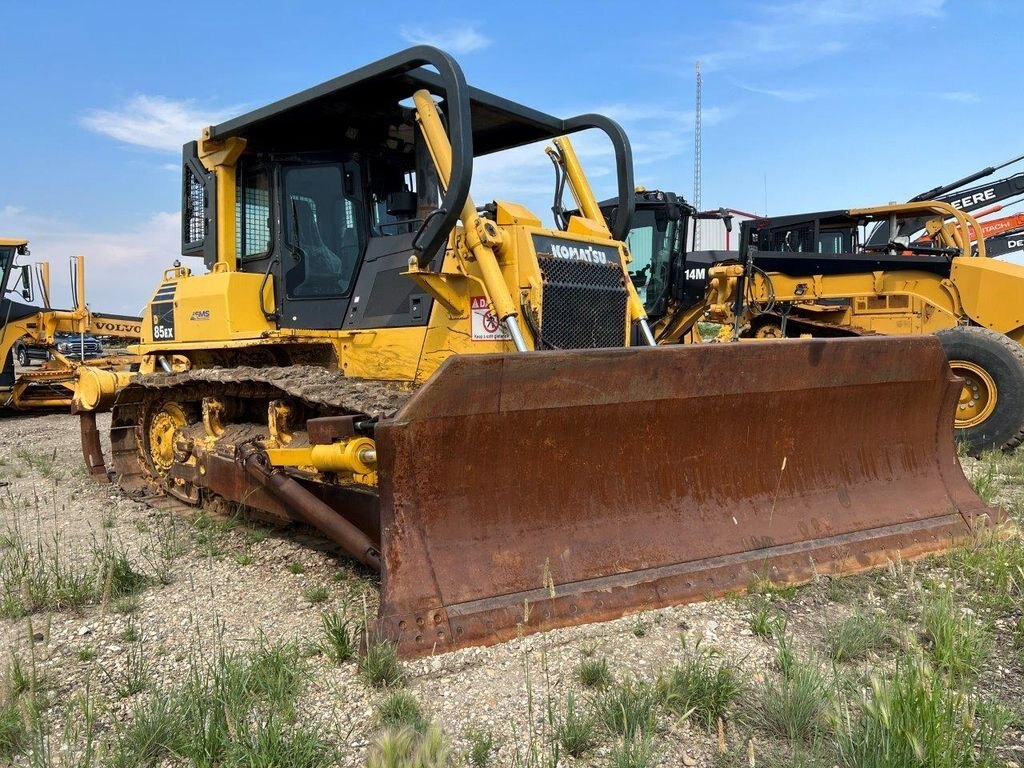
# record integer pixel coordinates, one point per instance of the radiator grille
(584, 304)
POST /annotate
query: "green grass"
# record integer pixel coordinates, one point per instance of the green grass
(628, 709)
(912, 717)
(400, 708)
(380, 667)
(296, 567)
(761, 586)
(22, 699)
(43, 462)
(633, 753)
(86, 653)
(799, 705)
(131, 675)
(316, 594)
(14, 733)
(167, 543)
(254, 535)
(118, 573)
(842, 589)
(154, 732)
(126, 605)
(700, 688)
(575, 729)
(594, 673)
(232, 710)
(276, 742)
(984, 477)
(766, 621)
(959, 644)
(993, 572)
(482, 746)
(857, 636)
(38, 575)
(244, 558)
(405, 748)
(339, 642)
(131, 633)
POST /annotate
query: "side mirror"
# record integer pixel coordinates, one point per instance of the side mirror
(26, 282)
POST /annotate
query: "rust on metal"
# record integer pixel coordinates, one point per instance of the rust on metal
(327, 429)
(524, 492)
(309, 508)
(92, 449)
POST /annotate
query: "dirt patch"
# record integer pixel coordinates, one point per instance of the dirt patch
(213, 586)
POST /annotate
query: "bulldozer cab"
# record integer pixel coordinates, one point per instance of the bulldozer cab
(336, 189)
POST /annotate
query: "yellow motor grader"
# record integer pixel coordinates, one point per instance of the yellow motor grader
(822, 275)
(27, 325)
(472, 403)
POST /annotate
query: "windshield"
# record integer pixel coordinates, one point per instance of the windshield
(652, 241)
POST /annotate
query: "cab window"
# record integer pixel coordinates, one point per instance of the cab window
(324, 230)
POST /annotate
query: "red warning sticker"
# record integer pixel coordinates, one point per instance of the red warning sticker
(485, 324)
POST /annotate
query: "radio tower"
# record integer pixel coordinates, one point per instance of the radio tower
(696, 163)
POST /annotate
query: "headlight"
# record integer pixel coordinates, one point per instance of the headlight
(64, 347)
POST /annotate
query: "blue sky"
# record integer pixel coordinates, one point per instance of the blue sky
(827, 104)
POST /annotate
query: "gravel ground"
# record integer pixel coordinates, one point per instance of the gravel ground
(216, 584)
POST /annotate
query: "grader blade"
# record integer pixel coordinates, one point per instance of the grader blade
(524, 492)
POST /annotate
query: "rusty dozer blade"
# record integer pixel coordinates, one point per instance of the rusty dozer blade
(529, 491)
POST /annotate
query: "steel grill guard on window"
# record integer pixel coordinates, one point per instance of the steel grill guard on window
(194, 221)
(584, 304)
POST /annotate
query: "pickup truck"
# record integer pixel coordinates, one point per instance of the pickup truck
(69, 344)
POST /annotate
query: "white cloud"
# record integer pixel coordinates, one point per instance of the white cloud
(154, 122)
(458, 37)
(844, 12)
(799, 31)
(782, 94)
(122, 267)
(960, 97)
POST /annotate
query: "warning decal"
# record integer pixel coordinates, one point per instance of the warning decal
(486, 326)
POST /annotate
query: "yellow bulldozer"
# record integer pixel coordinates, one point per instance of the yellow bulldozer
(28, 322)
(451, 393)
(821, 275)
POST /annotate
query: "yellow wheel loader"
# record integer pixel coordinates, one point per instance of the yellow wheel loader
(24, 323)
(448, 392)
(821, 275)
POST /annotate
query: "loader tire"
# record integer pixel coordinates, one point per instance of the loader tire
(990, 412)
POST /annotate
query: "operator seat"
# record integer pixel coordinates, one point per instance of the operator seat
(320, 273)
